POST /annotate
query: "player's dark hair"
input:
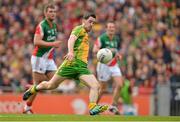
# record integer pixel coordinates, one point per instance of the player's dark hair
(49, 5)
(87, 15)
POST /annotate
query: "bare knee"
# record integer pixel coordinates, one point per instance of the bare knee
(118, 85)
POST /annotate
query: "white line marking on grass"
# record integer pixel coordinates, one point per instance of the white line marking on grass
(80, 121)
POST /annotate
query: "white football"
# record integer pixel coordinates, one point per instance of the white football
(104, 55)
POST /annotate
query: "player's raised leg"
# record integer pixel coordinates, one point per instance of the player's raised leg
(94, 86)
(37, 78)
(52, 84)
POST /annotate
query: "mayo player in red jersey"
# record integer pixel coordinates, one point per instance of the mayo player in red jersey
(111, 70)
(43, 65)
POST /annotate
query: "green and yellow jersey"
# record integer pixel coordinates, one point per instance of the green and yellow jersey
(49, 34)
(78, 66)
(81, 46)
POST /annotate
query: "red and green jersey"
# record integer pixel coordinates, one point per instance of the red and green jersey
(81, 46)
(103, 41)
(49, 35)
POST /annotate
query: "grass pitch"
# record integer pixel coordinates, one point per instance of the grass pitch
(83, 118)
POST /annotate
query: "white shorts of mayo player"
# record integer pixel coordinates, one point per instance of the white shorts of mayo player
(105, 72)
(41, 65)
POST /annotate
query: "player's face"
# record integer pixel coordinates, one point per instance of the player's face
(51, 14)
(88, 24)
(111, 28)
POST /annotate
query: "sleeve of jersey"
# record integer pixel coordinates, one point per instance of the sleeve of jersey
(39, 30)
(76, 32)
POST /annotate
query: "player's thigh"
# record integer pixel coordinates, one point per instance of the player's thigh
(103, 86)
(38, 69)
(118, 80)
(50, 66)
(103, 72)
(50, 74)
(115, 70)
(56, 80)
(38, 77)
(38, 64)
(67, 69)
(116, 75)
(90, 80)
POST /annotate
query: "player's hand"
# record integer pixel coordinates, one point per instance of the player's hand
(69, 56)
(56, 44)
(113, 50)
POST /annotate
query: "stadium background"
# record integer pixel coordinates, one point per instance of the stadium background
(149, 31)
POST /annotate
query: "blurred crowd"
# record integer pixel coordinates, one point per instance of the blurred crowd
(149, 31)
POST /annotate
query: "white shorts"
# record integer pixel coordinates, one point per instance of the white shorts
(41, 65)
(105, 72)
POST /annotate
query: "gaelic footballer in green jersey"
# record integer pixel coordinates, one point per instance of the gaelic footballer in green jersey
(111, 70)
(43, 56)
(104, 72)
(43, 65)
(75, 66)
(104, 41)
(49, 35)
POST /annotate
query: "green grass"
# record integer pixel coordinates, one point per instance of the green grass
(84, 118)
